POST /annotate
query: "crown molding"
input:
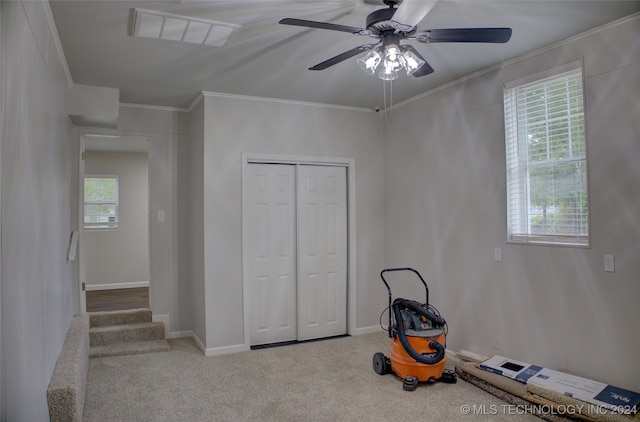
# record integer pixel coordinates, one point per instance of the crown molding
(56, 40)
(533, 53)
(285, 101)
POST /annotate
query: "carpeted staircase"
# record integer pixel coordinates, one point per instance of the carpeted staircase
(125, 333)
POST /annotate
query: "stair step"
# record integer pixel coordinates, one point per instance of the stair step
(131, 316)
(125, 333)
(129, 348)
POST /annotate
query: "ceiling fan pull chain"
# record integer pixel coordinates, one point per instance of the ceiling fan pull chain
(387, 108)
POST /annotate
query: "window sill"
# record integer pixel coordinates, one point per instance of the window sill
(562, 242)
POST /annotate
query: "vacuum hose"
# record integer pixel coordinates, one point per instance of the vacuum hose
(420, 309)
(427, 358)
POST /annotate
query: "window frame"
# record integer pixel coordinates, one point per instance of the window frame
(517, 184)
(102, 225)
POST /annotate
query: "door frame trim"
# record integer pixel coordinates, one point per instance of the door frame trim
(350, 165)
(82, 133)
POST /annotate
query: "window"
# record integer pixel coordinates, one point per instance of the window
(547, 194)
(101, 202)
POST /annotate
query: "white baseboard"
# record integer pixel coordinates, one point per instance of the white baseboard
(367, 330)
(198, 342)
(111, 286)
(166, 320)
(452, 355)
(215, 351)
(180, 334)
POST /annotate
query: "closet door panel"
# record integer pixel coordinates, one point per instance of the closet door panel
(271, 238)
(322, 251)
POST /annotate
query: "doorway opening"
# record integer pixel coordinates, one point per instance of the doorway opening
(114, 223)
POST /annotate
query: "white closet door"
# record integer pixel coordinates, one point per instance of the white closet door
(271, 239)
(322, 251)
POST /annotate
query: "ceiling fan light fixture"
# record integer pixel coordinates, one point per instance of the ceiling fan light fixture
(392, 54)
(387, 74)
(387, 61)
(370, 61)
(392, 63)
(412, 62)
(392, 25)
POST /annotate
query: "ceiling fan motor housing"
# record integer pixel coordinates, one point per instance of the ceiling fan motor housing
(379, 20)
(379, 24)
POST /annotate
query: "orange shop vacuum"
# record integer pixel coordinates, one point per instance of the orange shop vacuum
(418, 334)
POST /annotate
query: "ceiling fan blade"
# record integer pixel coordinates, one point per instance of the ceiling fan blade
(425, 69)
(410, 13)
(321, 25)
(343, 56)
(490, 35)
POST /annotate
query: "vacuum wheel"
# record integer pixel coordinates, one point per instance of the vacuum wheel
(410, 383)
(381, 364)
(449, 376)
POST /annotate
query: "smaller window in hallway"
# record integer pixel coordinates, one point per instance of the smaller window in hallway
(100, 202)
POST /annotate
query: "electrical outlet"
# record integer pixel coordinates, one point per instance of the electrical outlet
(609, 263)
(497, 343)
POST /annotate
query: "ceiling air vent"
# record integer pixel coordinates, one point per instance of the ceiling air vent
(165, 26)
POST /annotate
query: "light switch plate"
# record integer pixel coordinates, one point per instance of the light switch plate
(609, 263)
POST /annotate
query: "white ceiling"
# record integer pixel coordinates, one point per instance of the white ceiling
(266, 59)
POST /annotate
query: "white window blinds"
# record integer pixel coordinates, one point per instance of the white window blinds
(547, 194)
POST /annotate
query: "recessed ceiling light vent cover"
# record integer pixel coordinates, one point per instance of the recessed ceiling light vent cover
(165, 26)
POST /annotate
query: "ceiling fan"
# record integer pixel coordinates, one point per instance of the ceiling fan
(390, 26)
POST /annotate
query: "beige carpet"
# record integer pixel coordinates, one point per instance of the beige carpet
(331, 380)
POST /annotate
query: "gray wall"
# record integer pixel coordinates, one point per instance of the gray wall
(120, 256)
(277, 127)
(191, 220)
(161, 128)
(445, 212)
(38, 204)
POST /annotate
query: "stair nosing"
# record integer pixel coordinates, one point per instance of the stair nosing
(124, 327)
(156, 346)
(123, 317)
(101, 336)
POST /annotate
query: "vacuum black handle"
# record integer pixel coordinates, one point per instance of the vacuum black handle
(426, 288)
(389, 289)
